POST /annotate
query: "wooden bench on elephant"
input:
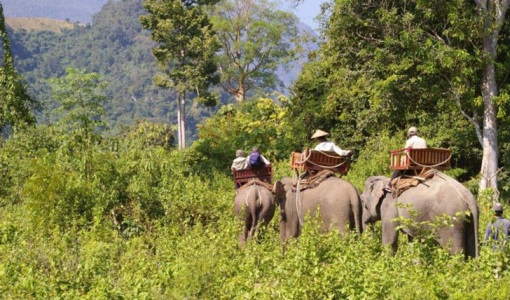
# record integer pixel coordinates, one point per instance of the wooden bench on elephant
(264, 173)
(417, 159)
(314, 161)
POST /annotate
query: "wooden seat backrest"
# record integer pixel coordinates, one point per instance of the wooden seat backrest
(264, 173)
(316, 160)
(417, 159)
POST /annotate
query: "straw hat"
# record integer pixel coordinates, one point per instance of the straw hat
(412, 130)
(319, 133)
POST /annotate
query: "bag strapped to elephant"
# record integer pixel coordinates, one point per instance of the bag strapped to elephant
(310, 182)
(256, 181)
(406, 182)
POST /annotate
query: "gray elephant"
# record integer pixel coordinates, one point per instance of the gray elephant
(254, 205)
(437, 197)
(336, 200)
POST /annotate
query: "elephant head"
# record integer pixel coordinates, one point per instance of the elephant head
(372, 198)
(279, 192)
(439, 196)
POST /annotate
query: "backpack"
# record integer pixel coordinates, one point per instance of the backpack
(255, 160)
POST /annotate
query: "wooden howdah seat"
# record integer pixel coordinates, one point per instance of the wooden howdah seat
(417, 159)
(314, 161)
(263, 173)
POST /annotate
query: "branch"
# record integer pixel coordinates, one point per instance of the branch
(471, 119)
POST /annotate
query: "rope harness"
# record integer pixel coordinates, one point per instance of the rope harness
(429, 166)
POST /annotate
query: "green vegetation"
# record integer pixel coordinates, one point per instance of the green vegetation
(185, 53)
(152, 222)
(92, 213)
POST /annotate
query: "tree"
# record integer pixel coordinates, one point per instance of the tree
(15, 102)
(493, 13)
(387, 65)
(185, 52)
(81, 103)
(255, 41)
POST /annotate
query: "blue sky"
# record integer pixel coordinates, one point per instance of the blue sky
(306, 11)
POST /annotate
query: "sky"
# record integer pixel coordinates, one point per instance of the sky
(306, 12)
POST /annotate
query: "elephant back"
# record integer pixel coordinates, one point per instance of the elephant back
(310, 182)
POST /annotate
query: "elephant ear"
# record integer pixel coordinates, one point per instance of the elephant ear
(376, 194)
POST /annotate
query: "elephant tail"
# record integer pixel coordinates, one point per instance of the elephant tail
(252, 203)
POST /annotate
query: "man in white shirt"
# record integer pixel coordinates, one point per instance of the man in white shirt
(239, 162)
(413, 142)
(324, 145)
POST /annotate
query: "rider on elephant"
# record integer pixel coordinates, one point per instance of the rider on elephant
(239, 162)
(255, 159)
(324, 145)
(413, 142)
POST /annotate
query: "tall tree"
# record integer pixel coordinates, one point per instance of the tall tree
(390, 64)
(256, 39)
(185, 52)
(15, 102)
(494, 14)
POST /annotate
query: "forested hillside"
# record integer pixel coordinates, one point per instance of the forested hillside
(115, 46)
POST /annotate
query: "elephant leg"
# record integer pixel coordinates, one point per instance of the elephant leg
(243, 235)
(410, 238)
(251, 225)
(452, 238)
(390, 235)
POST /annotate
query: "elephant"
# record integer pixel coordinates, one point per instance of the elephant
(435, 198)
(254, 204)
(336, 200)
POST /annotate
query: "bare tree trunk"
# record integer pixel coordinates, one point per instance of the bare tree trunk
(181, 114)
(489, 166)
(494, 11)
(239, 96)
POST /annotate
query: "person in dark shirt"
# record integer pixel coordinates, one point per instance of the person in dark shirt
(497, 230)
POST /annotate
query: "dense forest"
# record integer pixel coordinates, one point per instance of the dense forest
(97, 202)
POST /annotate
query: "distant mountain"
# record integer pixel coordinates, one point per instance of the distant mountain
(73, 10)
(39, 24)
(115, 46)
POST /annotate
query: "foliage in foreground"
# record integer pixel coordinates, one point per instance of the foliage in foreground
(132, 219)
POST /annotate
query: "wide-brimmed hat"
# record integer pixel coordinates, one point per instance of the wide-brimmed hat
(412, 130)
(319, 133)
(497, 207)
